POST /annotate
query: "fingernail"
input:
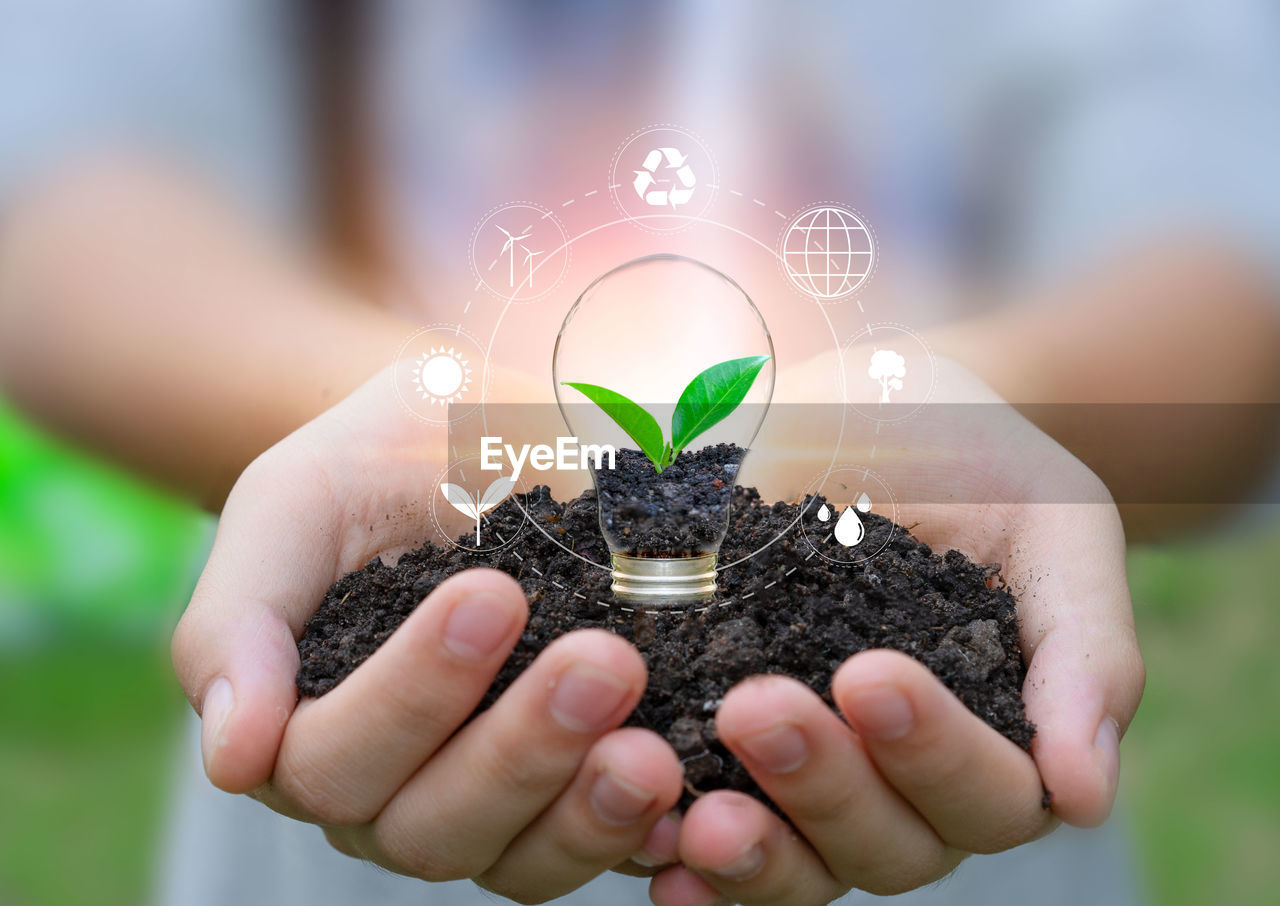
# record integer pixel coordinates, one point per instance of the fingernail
(882, 711)
(219, 701)
(617, 802)
(780, 749)
(661, 847)
(745, 867)
(584, 697)
(478, 625)
(1106, 746)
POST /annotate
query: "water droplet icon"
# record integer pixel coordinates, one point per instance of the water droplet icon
(864, 503)
(824, 513)
(849, 528)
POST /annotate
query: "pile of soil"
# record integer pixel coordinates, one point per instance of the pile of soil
(679, 513)
(786, 610)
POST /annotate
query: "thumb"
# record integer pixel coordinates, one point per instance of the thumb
(234, 650)
(281, 541)
(1081, 692)
(1085, 675)
(236, 662)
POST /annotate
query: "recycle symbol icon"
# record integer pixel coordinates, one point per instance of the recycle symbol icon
(655, 191)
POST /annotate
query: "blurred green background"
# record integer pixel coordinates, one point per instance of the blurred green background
(95, 568)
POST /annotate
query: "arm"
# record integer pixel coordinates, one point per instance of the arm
(1182, 322)
(919, 782)
(894, 796)
(140, 317)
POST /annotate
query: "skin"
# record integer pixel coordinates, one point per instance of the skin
(532, 799)
(911, 782)
(890, 798)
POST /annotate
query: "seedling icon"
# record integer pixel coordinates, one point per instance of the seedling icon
(462, 501)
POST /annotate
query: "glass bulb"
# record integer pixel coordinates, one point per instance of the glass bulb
(645, 330)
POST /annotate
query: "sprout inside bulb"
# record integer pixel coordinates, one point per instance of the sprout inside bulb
(667, 360)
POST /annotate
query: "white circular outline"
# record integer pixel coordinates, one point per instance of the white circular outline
(474, 265)
(450, 542)
(713, 185)
(834, 453)
(482, 385)
(818, 481)
(869, 330)
(871, 235)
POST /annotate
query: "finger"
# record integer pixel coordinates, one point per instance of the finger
(234, 650)
(662, 845)
(237, 668)
(817, 771)
(341, 839)
(745, 851)
(454, 818)
(977, 789)
(680, 886)
(660, 848)
(1085, 674)
(627, 783)
(344, 755)
(1074, 704)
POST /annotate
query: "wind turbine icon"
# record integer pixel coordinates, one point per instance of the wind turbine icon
(529, 260)
(508, 249)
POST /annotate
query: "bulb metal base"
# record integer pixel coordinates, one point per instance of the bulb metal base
(664, 581)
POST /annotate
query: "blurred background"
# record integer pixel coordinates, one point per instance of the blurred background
(1057, 136)
(94, 570)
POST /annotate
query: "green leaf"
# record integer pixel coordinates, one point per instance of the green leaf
(711, 396)
(642, 427)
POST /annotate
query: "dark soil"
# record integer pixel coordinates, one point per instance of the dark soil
(679, 513)
(785, 611)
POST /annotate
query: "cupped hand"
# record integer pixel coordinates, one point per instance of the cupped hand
(897, 793)
(533, 798)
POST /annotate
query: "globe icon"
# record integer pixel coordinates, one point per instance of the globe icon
(828, 252)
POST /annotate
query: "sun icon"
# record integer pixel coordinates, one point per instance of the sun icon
(442, 375)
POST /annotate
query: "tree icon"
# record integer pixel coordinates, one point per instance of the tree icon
(889, 369)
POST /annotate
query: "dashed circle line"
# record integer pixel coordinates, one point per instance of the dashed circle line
(817, 482)
(450, 542)
(626, 143)
(482, 383)
(840, 351)
(473, 264)
(869, 331)
(855, 293)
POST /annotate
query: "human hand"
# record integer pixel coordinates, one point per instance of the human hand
(913, 782)
(532, 799)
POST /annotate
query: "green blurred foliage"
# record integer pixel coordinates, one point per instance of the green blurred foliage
(87, 752)
(94, 568)
(84, 547)
(1200, 759)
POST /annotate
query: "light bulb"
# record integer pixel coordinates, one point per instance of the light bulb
(645, 330)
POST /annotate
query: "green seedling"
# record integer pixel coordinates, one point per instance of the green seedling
(708, 399)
